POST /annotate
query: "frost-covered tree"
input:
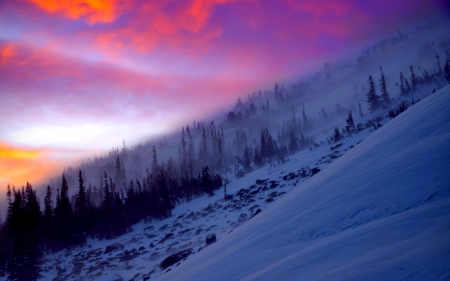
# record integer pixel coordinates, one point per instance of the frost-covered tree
(447, 70)
(361, 114)
(414, 79)
(293, 145)
(337, 135)
(402, 86)
(350, 122)
(372, 98)
(439, 65)
(386, 100)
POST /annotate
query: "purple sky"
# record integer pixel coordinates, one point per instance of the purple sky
(79, 76)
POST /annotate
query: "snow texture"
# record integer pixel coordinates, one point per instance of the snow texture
(377, 207)
(379, 212)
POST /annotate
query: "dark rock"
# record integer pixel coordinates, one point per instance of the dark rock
(242, 217)
(268, 200)
(315, 170)
(113, 247)
(191, 215)
(149, 227)
(257, 212)
(137, 276)
(141, 248)
(174, 258)
(163, 227)
(168, 236)
(210, 238)
(273, 184)
(199, 230)
(253, 207)
(336, 146)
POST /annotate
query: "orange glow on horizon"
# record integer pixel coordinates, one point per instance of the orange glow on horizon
(21, 165)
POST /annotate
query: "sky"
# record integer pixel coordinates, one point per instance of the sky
(77, 77)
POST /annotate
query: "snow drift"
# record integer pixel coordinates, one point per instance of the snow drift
(381, 211)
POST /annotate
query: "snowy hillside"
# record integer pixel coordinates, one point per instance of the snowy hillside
(372, 209)
(381, 211)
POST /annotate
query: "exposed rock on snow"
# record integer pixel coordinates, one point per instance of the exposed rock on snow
(174, 258)
(210, 238)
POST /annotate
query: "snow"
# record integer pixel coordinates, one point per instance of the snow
(112, 277)
(378, 209)
(381, 211)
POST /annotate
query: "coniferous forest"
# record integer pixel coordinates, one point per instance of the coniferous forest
(104, 197)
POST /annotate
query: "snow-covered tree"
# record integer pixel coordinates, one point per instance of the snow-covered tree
(372, 98)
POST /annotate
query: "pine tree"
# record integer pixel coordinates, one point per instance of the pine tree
(63, 216)
(118, 172)
(263, 145)
(26, 215)
(48, 217)
(386, 101)
(293, 144)
(203, 150)
(257, 158)
(372, 98)
(306, 122)
(361, 114)
(154, 163)
(48, 208)
(80, 202)
(350, 122)
(447, 70)
(414, 79)
(324, 114)
(246, 159)
(403, 91)
(33, 215)
(107, 207)
(9, 197)
(337, 135)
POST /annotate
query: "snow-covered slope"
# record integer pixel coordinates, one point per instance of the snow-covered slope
(376, 209)
(381, 211)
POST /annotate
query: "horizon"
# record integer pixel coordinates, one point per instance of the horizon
(105, 63)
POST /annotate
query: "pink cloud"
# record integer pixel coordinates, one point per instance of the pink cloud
(121, 62)
(91, 11)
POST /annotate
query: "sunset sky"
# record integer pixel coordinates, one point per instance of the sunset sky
(79, 76)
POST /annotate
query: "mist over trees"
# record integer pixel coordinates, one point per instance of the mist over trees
(104, 196)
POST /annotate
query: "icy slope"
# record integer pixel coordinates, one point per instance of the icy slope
(381, 211)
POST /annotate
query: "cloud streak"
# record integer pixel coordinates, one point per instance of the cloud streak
(117, 65)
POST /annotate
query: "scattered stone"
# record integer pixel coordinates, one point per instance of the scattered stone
(257, 212)
(167, 236)
(315, 170)
(164, 227)
(174, 258)
(112, 277)
(210, 238)
(242, 217)
(261, 182)
(113, 247)
(336, 146)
